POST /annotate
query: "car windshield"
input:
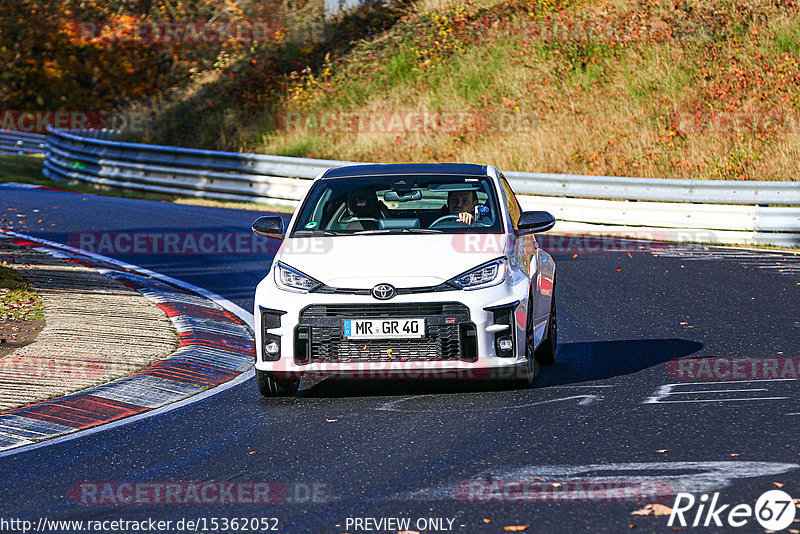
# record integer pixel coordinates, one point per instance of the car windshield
(400, 205)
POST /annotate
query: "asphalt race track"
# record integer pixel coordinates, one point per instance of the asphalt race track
(607, 411)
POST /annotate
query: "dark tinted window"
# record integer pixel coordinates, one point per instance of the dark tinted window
(397, 204)
(511, 201)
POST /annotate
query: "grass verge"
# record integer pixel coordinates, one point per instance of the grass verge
(18, 302)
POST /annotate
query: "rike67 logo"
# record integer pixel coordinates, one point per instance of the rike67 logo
(774, 510)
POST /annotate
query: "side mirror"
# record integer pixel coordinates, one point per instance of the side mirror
(270, 227)
(531, 222)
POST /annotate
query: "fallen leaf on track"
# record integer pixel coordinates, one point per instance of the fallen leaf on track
(778, 484)
(662, 450)
(653, 509)
(515, 528)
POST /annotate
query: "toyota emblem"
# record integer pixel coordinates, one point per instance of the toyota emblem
(383, 291)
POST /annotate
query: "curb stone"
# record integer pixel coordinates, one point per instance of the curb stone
(214, 347)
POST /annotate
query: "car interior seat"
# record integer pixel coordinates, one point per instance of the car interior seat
(363, 208)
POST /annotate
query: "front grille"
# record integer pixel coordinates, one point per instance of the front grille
(362, 311)
(328, 345)
(441, 341)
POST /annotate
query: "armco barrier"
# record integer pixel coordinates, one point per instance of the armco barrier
(21, 143)
(714, 211)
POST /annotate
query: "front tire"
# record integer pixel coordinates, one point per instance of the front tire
(269, 386)
(546, 351)
(527, 374)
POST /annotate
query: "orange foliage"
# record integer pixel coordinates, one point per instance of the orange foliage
(50, 61)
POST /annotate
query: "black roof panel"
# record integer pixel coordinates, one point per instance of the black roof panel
(456, 169)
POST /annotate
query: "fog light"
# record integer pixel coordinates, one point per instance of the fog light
(505, 344)
(272, 348)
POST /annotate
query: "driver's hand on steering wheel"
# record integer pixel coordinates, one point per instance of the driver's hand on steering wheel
(465, 217)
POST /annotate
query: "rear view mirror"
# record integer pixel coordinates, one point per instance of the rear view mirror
(270, 227)
(402, 196)
(531, 222)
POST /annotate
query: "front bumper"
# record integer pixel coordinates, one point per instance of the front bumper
(461, 339)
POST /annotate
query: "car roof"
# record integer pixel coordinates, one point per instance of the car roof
(406, 169)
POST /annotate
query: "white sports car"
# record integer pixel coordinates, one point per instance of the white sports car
(406, 271)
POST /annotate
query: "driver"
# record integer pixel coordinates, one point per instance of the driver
(462, 204)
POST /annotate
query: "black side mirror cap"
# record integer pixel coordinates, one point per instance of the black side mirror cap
(532, 222)
(270, 227)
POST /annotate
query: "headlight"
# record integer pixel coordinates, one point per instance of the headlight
(293, 280)
(486, 275)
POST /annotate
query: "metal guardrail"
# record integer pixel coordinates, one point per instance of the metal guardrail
(12, 142)
(656, 189)
(734, 211)
(201, 173)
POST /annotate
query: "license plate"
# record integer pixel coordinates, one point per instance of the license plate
(384, 328)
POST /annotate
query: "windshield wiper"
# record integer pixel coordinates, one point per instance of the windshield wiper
(422, 231)
(365, 232)
(315, 232)
(399, 230)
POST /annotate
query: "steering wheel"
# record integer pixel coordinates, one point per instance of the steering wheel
(444, 218)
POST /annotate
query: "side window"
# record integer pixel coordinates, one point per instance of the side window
(511, 201)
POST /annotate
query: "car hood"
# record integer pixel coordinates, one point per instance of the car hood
(401, 260)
